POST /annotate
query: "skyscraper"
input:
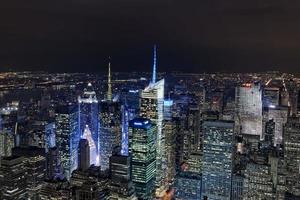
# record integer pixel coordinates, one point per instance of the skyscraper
(110, 130)
(121, 186)
(291, 147)
(279, 115)
(217, 159)
(249, 108)
(13, 178)
(84, 154)
(142, 148)
(151, 107)
(53, 167)
(88, 116)
(92, 145)
(110, 125)
(67, 137)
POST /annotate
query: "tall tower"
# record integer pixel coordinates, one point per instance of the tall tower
(217, 159)
(109, 92)
(88, 116)
(67, 137)
(154, 65)
(92, 145)
(84, 154)
(142, 138)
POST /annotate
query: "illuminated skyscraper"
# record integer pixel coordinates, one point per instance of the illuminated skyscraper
(88, 115)
(110, 116)
(142, 148)
(291, 146)
(279, 115)
(50, 136)
(110, 130)
(92, 145)
(249, 108)
(67, 137)
(218, 150)
(151, 107)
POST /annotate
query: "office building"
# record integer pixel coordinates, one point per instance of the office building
(88, 116)
(121, 186)
(12, 178)
(83, 155)
(249, 109)
(217, 166)
(67, 137)
(142, 148)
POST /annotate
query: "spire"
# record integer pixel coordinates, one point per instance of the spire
(109, 92)
(154, 65)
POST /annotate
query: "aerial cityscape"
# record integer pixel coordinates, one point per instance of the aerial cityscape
(149, 100)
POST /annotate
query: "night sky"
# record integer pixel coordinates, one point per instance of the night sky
(192, 35)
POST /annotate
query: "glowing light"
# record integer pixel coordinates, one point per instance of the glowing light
(272, 106)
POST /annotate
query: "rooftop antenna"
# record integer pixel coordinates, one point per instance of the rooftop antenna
(154, 65)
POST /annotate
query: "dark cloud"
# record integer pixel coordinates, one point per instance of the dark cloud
(193, 35)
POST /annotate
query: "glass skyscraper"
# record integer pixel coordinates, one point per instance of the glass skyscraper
(218, 150)
(249, 108)
(67, 137)
(110, 130)
(142, 148)
(151, 107)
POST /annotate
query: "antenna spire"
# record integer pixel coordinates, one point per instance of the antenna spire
(154, 65)
(109, 92)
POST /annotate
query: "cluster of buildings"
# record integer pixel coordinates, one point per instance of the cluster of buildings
(185, 137)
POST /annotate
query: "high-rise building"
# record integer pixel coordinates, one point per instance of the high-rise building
(53, 167)
(12, 178)
(249, 109)
(7, 142)
(291, 146)
(217, 159)
(121, 186)
(279, 115)
(92, 145)
(269, 133)
(151, 107)
(88, 116)
(170, 134)
(271, 96)
(84, 154)
(110, 130)
(142, 148)
(50, 136)
(34, 164)
(188, 185)
(67, 137)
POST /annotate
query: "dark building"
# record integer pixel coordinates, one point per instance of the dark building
(12, 178)
(83, 155)
(121, 186)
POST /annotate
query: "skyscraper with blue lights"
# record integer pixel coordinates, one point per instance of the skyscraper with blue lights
(88, 116)
(67, 137)
(142, 148)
